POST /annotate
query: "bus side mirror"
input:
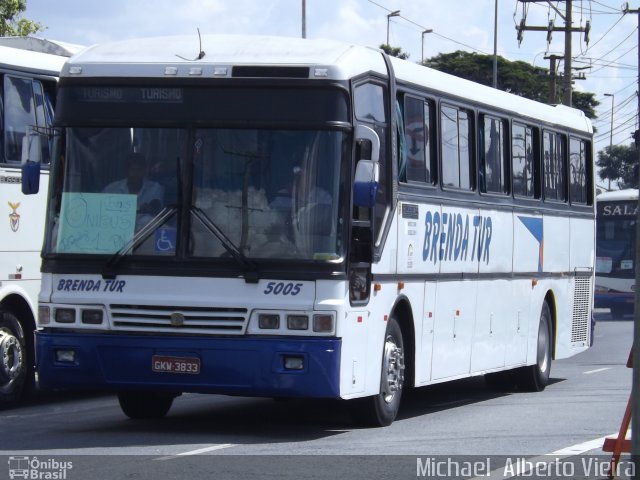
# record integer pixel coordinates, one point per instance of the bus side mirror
(365, 185)
(31, 160)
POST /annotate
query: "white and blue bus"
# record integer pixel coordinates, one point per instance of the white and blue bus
(616, 214)
(305, 218)
(29, 68)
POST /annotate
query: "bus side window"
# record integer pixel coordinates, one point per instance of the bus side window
(456, 146)
(578, 175)
(19, 114)
(42, 121)
(525, 161)
(370, 100)
(493, 156)
(555, 167)
(418, 140)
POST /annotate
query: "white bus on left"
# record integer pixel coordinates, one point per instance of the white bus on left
(29, 69)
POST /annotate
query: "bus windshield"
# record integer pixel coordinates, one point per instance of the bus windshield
(615, 240)
(211, 193)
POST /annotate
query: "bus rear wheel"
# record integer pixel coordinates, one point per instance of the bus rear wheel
(381, 410)
(13, 359)
(534, 378)
(145, 405)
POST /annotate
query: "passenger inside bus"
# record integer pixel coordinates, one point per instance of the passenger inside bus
(149, 193)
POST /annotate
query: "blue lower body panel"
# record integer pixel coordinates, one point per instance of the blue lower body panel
(249, 366)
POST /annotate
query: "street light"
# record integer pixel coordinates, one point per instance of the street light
(395, 13)
(428, 30)
(304, 19)
(611, 131)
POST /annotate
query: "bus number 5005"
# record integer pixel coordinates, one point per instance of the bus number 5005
(281, 288)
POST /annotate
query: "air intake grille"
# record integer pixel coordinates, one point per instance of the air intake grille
(179, 319)
(581, 301)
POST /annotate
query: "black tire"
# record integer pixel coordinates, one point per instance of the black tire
(381, 410)
(14, 360)
(145, 405)
(534, 378)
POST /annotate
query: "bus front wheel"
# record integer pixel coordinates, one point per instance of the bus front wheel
(13, 359)
(534, 378)
(145, 405)
(381, 410)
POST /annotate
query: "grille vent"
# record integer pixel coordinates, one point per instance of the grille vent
(201, 320)
(581, 301)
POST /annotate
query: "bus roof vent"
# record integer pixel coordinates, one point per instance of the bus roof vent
(270, 72)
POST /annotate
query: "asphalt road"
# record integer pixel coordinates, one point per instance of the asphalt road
(233, 437)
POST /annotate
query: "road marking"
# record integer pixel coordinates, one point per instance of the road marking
(521, 466)
(596, 370)
(196, 452)
(582, 447)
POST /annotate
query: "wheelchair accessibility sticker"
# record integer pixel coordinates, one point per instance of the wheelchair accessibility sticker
(165, 240)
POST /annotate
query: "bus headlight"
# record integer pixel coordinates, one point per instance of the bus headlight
(269, 321)
(292, 322)
(92, 317)
(297, 322)
(44, 315)
(65, 315)
(323, 322)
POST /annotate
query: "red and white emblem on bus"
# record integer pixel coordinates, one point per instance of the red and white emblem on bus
(14, 216)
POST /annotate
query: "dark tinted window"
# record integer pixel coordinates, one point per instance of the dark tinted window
(493, 156)
(418, 136)
(523, 161)
(555, 167)
(578, 171)
(455, 144)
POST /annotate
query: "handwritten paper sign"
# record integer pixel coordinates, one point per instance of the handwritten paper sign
(99, 223)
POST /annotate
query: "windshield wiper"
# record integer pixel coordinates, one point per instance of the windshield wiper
(140, 236)
(250, 271)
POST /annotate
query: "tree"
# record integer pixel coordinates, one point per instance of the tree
(394, 51)
(517, 77)
(619, 164)
(11, 24)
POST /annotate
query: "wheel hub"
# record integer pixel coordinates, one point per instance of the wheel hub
(393, 368)
(11, 356)
(543, 349)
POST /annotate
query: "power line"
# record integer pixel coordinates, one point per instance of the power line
(603, 5)
(423, 28)
(615, 59)
(625, 39)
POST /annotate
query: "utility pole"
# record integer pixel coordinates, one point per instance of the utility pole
(553, 95)
(635, 388)
(568, 30)
(495, 46)
(611, 130)
(566, 94)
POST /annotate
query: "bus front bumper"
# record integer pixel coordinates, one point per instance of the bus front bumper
(248, 366)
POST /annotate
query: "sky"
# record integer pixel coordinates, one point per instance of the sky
(612, 53)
